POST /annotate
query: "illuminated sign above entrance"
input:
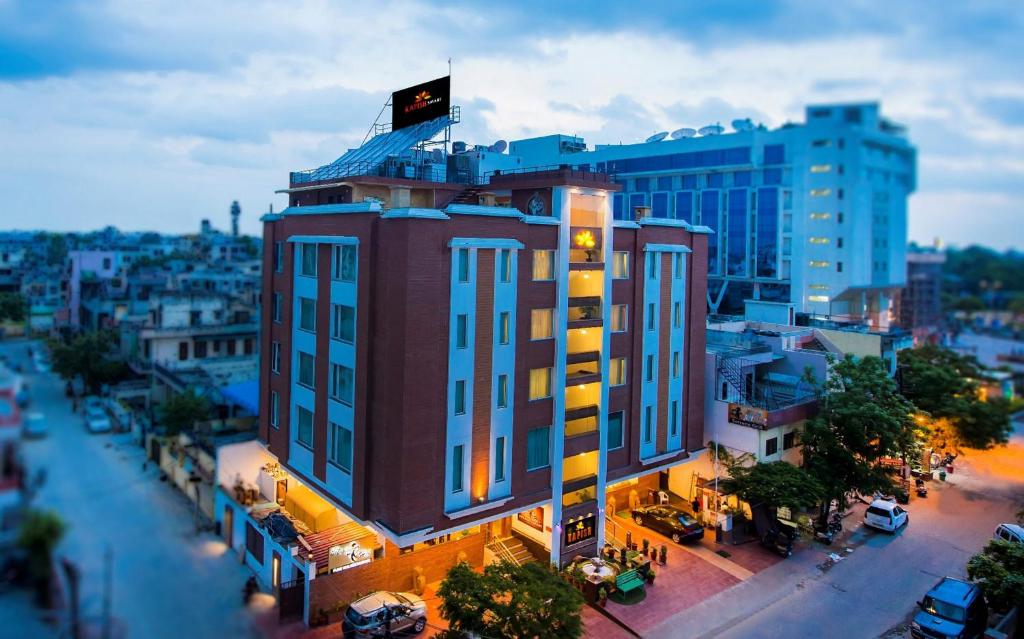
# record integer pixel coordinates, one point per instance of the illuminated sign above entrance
(420, 103)
(578, 531)
(748, 416)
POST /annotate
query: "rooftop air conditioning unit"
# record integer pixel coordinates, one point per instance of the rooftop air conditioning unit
(640, 212)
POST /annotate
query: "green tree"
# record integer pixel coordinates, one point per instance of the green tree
(90, 356)
(38, 536)
(12, 307)
(181, 411)
(774, 484)
(507, 600)
(946, 385)
(56, 249)
(862, 418)
(999, 571)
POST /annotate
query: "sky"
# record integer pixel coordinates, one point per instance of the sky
(152, 115)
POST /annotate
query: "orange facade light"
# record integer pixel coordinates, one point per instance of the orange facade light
(585, 239)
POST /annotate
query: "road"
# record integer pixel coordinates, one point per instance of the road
(872, 591)
(167, 582)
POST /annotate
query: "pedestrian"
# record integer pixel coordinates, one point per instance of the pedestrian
(696, 505)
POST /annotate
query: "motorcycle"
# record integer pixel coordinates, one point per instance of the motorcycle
(779, 541)
(826, 534)
(922, 490)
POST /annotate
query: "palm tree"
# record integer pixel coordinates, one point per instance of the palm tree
(40, 532)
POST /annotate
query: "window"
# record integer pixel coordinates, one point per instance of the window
(540, 383)
(182, 351)
(818, 240)
(538, 448)
(344, 263)
(200, 348)
(819, 264)
(304, 432)
(678, 269)
(820, 216)
(308, 266)
(673, 427)
(106, 264)
(275, 355)
(344, 318)
(839, 267)
(619, 318)
(677, 315)
(648, 426)
(817, 298)
(774, 153)
(839, 218)
(650, 316)
(615, 431)
(341, 447)
(771, 446)
(275, 408)
(620, 265)
(542, 323)
(652, 265)
(499, 459)
(789, 440)
(231, 347)
(307, 314)
(460, 397)
(504, 322)
(307, 369)
(278, 302)
(675, 364)
(650, 368)
(821, 168)
(821, 192)
(457, 469)
(839, 242)
(463, 265)
(279, 257)
(543, 265)
(505, 265)
(342, 386)
(502, 391)
(461, 328)
(617, 371)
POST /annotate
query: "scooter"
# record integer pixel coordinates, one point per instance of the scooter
(827, 533)
(922, 490)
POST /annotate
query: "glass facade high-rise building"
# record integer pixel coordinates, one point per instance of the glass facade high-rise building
(814, 214)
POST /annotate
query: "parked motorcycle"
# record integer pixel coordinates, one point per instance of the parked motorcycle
(825, 534)
(922, 490)
(779, 541)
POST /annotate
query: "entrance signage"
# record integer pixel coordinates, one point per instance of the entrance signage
(748, 416)
(420, 103)
(580, 530)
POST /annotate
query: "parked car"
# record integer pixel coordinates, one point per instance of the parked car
(886, 515)
(34, 426)
(953, 609)
(675, 524)
(42, 364)
(1009, 532)
(375, 614)
(96, 420)
(92, 401)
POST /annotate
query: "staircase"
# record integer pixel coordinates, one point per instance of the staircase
(512, 549)
(469, 195)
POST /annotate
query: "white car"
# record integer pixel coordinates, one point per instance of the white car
(1009, 532)
(96, 420)
(886, 515)
(34, 426)
(42, 365)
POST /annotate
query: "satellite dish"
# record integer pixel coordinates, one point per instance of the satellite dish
(657, 137)
(437, 156)
(499, 146)
(711, 129)
(458, 146)
(679, 134)
(743, 125)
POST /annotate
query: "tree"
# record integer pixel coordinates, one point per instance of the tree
(946, 385)
(999, 571)
(862, 418)
(12, 307)
(181, 411)
(38, 535)
(90, 356)
(774, 484)
(508, 600)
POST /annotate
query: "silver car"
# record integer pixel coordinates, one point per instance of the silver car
(376, 614)
(96, 420)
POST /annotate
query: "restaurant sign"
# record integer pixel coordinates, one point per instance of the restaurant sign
(420, 103)
(579, 530)
(748, 416)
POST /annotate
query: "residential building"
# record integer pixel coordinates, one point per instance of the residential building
(449, 378)
(920, 307)
(814, 214)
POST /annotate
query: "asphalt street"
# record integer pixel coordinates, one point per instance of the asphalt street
(167, 581)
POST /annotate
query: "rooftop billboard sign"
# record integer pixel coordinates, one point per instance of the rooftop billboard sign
(420, 103)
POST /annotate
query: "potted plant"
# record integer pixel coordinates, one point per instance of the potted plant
(602, 597)
(647, 544)
(650, 577)
(663, 555)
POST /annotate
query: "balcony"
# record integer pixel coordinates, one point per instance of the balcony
(579, 412)
(582, 374)
(584, 312)
(582, 357)
(582, 426)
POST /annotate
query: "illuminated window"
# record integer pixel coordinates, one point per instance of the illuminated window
(818, 287)
(504, 322)
(540, 383)
(543, 265)
(819, 240)
(505, 262)
(678, 266)
(619, 318)
(541, 323)
(620, 265)
(617, 371)
(821, 192)
(821, 168)
(821, 216)
(677, 315)
(818, 298)
(819, 264)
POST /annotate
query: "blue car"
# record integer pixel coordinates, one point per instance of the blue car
(953, 609)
